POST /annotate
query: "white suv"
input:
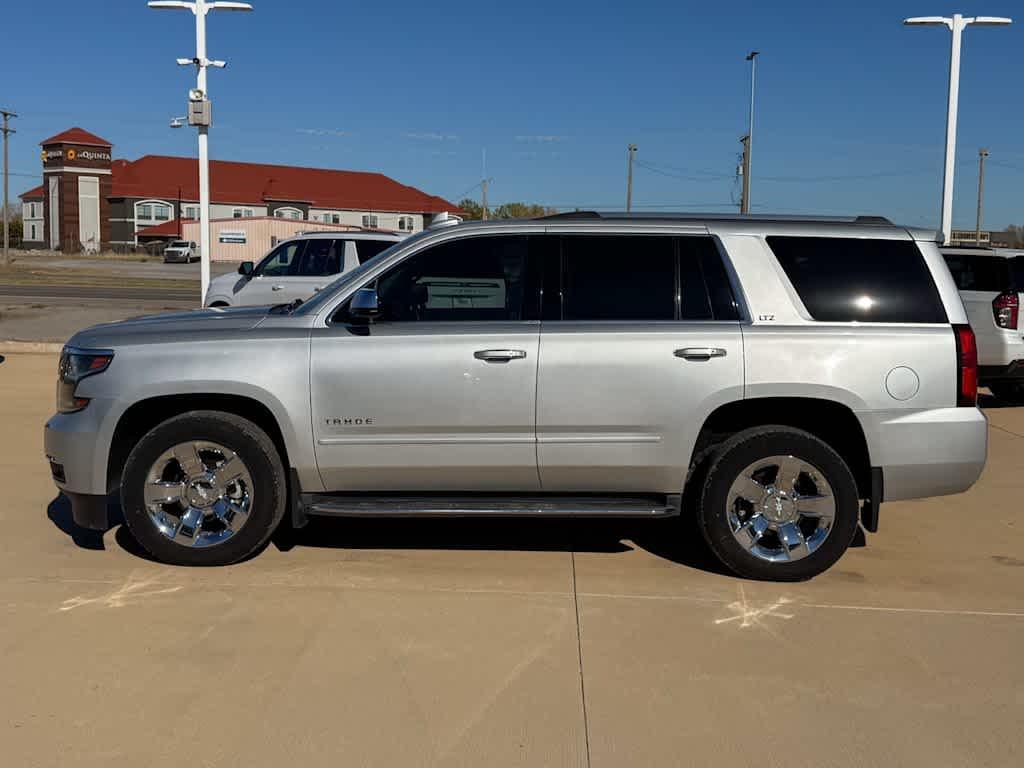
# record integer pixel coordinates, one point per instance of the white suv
(298, 268)
(990, 281)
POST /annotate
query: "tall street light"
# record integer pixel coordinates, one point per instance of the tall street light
(957, 24)
(748, 144)
(199, 114)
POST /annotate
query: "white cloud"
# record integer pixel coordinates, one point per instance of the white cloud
(322, 131)
(432, 136)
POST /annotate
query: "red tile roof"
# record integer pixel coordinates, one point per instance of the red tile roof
(171, 227)
(161, 177)
(34, 192)
(77, 136)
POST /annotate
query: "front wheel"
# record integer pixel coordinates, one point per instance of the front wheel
(203, 488)
(778, 504)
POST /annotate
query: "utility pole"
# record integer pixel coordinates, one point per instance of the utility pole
(742, 171)
(629, 178)
(7, 130)
(745, 200)
(982, 154)
(199, 114)
(485, 212)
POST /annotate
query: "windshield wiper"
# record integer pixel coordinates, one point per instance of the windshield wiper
(286, 308)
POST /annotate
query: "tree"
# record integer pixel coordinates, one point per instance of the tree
(521, 211)
(473, 209)
(14, 226)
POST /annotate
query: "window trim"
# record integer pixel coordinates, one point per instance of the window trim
(286, 211)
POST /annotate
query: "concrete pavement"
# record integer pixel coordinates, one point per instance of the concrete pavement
(519, 643)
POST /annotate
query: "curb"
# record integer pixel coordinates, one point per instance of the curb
(30, 347)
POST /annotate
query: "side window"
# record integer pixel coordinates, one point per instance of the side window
(980, 273)
(618, 277)
(282, 262)
(470, 279)
(843, 279)
(321, 257)
(367, 249)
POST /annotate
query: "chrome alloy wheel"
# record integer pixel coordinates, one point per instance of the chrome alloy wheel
(780, 509)
(198, 494)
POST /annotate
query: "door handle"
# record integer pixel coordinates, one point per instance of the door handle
(276, 287)
(499, 355)
(700, 353)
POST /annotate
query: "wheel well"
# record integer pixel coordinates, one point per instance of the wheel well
(141, 417)
(830, 421)
(219, 304)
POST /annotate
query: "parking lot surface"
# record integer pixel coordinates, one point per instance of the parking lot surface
(492, 643)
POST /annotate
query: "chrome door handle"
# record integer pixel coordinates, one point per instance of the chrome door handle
(276, 287)
(700, 353)
(499, 355)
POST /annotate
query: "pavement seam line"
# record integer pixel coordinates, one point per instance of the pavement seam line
(1004, 429)
(579, 657)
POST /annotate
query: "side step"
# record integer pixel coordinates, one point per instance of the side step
(363, 505)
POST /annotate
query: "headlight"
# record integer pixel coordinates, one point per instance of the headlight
(75, 365)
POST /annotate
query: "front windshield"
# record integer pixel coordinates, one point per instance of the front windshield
(179, 244)
(313, 305)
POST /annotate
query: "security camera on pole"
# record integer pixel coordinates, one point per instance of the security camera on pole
(199, 114)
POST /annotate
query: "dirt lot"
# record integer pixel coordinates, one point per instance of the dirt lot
(528, 644)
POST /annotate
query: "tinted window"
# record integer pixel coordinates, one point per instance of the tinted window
(618, 277)
(973, 272)
(845, 279)
(282, 262)
(367, 249)
(321, 257)
(469, 279)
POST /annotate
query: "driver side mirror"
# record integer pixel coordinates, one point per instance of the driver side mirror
(364, 305)
(245, 269)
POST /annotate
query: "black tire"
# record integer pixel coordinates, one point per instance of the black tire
(256, 450)
(1010, 392)
(732, 457)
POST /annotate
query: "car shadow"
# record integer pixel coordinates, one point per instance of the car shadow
(674, 539)
(59, 513)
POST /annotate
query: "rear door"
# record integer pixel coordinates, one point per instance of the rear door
(642, 343)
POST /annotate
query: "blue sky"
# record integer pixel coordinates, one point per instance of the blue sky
(850, 106)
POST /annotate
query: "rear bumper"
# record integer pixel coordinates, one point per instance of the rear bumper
(934, 452)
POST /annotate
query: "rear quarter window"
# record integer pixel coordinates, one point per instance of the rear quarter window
(846, 279)
(979, 272)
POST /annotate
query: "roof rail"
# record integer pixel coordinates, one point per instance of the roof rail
(689, 216)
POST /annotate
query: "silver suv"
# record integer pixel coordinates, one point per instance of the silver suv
(297, 268)
(775, 378)
(990, 282)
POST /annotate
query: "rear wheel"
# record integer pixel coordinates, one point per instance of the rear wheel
(1008, 391)
(778, 504)
(203, 488)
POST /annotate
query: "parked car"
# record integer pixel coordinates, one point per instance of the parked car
(181, 251)
(990, 282)
(776, 378)
(297, 268)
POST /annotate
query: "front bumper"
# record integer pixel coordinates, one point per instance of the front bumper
(933, 452)
(77, 453)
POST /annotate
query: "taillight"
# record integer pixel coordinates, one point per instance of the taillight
(1005, 307)
(966, 366)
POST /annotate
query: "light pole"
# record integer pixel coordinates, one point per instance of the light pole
(199, 115)
(631, 149)
(748, 145)
(956, 25)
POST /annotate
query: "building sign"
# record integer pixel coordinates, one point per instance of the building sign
(236, 236)
(74, 154)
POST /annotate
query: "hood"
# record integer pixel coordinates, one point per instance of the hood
(226, 285)
(199, 325)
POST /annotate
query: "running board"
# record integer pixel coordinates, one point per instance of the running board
(363, 505)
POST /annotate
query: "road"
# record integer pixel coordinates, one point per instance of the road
(76, 293)
(506, 643)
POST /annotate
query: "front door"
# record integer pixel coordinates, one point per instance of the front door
(273, 280)
(437, 394)
(647, 345)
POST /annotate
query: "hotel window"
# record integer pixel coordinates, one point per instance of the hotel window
(335, 218)
(32, 232)
(161, 212)
(32, 211)
(241, 213)
(145, 212)
(153, 211)
(405, 223)
(369, 221)
(191, 212)
(288, 213)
